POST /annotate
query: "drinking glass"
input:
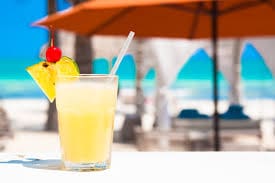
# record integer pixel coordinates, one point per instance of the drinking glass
(86, 109)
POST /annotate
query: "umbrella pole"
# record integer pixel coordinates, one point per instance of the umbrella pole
(216, 128)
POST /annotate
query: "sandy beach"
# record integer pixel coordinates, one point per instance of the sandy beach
(28, 117)
(31, 113)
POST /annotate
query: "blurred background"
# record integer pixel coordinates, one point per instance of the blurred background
(165, 87)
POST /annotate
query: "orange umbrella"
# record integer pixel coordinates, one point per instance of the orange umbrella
(171, 18)
(167, 18)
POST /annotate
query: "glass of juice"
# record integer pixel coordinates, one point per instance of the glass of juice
(86, 108)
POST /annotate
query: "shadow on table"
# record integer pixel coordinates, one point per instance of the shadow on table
(49, 164)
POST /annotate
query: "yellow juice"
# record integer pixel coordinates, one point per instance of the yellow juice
(85, 118)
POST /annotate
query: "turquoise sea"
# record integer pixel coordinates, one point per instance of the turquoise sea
(193, 79)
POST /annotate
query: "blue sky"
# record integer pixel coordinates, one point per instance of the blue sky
(19, 40)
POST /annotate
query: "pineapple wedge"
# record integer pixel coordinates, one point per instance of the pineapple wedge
(45, 74)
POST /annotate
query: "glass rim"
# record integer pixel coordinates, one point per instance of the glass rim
(88, 76)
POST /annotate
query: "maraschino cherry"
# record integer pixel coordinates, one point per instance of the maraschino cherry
(53, 54)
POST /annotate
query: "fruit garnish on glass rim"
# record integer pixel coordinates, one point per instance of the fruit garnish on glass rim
(45, 72)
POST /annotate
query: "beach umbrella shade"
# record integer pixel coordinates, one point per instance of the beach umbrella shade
(174, 19)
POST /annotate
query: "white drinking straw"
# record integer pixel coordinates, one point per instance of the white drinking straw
(122, 52)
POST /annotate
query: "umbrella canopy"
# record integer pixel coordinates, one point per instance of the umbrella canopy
(171, 18)
(167, 18)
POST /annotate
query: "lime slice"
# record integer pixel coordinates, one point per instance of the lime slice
(67, 66)
(45, 74)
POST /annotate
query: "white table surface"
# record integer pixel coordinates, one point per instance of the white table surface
(142, 167)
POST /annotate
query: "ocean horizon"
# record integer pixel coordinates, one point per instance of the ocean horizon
(257, 81)
(192, 90)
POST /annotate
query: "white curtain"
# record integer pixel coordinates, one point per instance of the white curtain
(229, 64)
(169, 56)
(266, 47)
